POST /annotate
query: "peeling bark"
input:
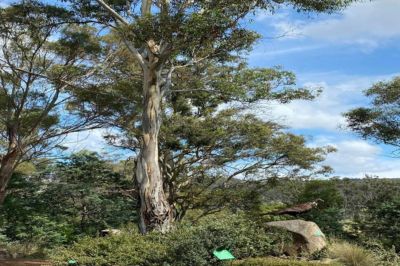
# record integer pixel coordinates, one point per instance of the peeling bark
(155, 211)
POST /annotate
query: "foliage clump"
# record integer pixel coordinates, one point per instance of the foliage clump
(189, 244)
(84, 194)
(383, 222)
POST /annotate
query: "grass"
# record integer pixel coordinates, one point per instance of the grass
(351, 255)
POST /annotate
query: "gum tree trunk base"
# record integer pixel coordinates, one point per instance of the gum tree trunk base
(155, 211)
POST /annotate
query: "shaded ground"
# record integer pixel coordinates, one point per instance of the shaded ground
(24, 262)
(272, 261)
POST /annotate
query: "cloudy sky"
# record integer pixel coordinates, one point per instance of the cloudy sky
(345, 54)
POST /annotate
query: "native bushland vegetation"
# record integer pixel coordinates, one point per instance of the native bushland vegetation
(168, 83)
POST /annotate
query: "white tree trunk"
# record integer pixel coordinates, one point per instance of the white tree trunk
(155, 211)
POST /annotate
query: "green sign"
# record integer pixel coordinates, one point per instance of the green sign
(319, 233)
(72, 262)
(223, 254)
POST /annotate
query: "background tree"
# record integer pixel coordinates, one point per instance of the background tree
(85, 196)
(40, 61)
(380, 121)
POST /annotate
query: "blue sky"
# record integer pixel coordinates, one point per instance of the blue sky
(344, 53)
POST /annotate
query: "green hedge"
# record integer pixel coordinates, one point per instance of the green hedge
(187, 245)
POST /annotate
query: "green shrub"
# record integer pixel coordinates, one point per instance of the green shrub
(17, 249)
(386, 257)
(193, 245)
(187, 245)
(383, 222)
(129, 248)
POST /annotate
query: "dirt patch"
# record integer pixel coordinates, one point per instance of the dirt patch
(23, 262)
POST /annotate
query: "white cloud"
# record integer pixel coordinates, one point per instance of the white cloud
(357, 158)
(365, 23)
(89, 140)
(323, 119)
(263, 52)
(326, 111)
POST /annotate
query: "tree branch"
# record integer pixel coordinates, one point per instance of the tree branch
(112, 12)
(120, 19)
(146, 7)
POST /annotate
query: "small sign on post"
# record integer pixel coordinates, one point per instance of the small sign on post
(223, 254)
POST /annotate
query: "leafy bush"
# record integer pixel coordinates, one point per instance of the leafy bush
(17, 249)
(193, 245)
(129, 248)
(383, 222)
(386, 257)
(187, 245)
(352, 255)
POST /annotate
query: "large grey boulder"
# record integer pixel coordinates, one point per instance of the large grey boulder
(308, 236)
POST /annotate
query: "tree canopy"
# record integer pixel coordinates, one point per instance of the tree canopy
(381, 120)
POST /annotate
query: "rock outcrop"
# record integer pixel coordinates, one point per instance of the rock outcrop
(308, 237)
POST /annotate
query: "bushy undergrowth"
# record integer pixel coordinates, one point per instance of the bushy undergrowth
(17, 249)
(187, 245)
(385, 256)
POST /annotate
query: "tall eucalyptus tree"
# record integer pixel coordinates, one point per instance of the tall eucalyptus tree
(164, 36)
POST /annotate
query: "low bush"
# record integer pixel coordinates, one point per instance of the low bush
(187, 245)
(17, 249)
(382, 221)
(385, 256)
(193, 245)
(129, 248)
